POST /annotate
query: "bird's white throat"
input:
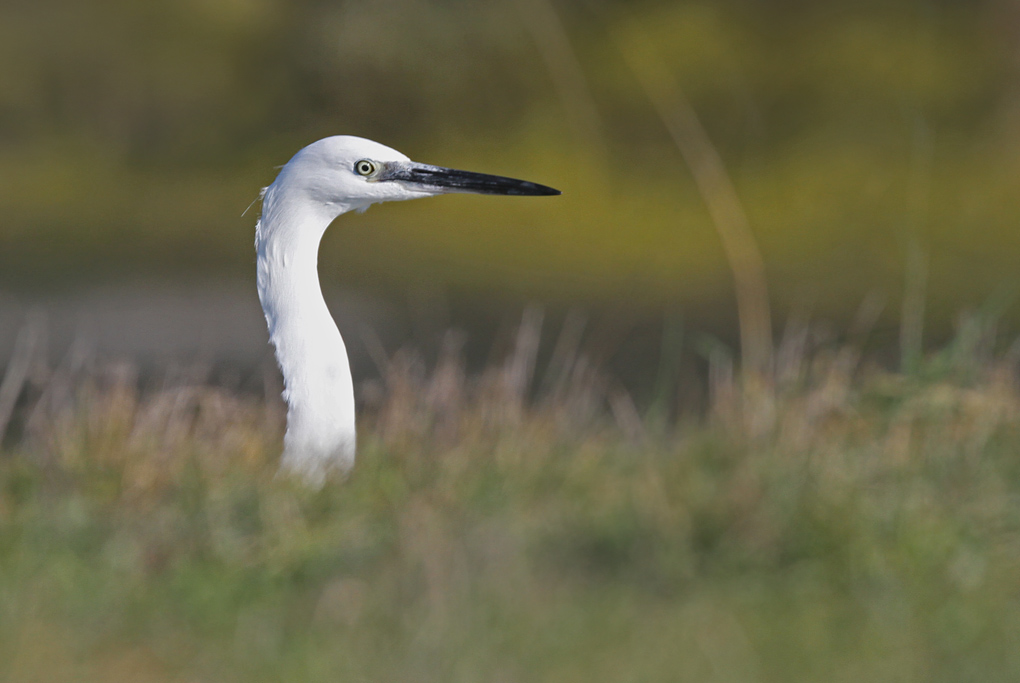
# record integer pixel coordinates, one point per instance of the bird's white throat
(317, 377)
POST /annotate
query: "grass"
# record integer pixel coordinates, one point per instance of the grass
(837, 522)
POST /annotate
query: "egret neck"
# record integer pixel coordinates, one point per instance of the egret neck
(318, 388)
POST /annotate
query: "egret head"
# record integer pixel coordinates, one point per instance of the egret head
(347, 173)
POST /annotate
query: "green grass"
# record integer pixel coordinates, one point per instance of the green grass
(841, 524)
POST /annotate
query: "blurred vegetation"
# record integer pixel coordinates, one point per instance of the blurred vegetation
(133, 135)
(844, 523)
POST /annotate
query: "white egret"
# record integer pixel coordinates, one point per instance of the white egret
(324, 180)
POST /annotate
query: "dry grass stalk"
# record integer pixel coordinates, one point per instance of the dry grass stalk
(721, 199)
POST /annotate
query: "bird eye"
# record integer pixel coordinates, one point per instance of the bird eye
(365, 167)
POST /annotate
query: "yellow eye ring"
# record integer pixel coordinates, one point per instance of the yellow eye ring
(365, 167)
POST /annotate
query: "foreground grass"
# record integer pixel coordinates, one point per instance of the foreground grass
(840, 526)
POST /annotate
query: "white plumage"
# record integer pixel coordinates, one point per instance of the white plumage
(324, 180)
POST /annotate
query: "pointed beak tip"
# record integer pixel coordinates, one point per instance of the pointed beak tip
(536, 190)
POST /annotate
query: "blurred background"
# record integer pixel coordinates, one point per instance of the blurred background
(740, 406)
(873, 150)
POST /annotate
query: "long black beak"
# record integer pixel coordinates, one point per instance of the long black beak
(461, 181)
